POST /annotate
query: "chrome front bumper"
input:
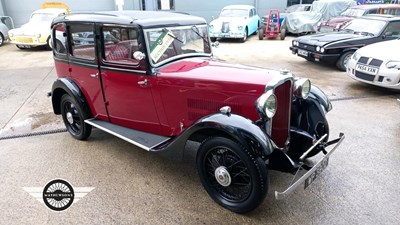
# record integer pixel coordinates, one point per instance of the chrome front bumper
(311, 174)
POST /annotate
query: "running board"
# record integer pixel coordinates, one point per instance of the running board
(144, 140)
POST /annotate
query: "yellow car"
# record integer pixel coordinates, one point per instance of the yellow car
(37, 31)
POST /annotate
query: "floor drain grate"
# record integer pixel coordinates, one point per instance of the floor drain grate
(34, 134)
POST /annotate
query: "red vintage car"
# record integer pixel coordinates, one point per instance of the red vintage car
(150, 79)
(336, 23)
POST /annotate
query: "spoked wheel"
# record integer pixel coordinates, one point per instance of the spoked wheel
(231, 175)
(74, 116)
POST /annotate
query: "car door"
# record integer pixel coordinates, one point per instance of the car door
(127, 87)
(83, 66)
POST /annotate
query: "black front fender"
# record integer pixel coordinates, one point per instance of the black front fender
(232, 126)
(65, 86)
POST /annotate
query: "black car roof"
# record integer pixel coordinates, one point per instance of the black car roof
(146, 19)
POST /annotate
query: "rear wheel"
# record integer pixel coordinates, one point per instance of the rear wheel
(74, 118)
(233, 177)
(342, 61)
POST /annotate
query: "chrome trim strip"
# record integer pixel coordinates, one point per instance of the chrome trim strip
(291, 188)
(89, 121)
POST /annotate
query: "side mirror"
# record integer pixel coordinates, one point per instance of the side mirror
(388, 33)
(138, 55)
(215, 44)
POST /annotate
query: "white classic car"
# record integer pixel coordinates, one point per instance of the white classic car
(235, 21)
(377, 64)
(37, 31)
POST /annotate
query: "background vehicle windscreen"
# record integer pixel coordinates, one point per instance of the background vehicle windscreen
(166, 43)
(364, 25)
(234, 13)
(40, 17)
(353, 12)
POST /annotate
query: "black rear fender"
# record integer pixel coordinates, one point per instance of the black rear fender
(66, 86)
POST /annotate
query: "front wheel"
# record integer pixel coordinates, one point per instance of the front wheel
(244, 38)
(261, 32)
(342, 61)
(74, 118)
(1, 39)
(232, 176)
(282, 35)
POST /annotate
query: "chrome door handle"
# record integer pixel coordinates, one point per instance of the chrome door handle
(143, 82)
(95, 75)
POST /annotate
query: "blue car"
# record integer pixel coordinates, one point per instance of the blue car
(235, 21)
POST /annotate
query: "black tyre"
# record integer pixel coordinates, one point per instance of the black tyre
(233, 177)
(342, 61)
(74, 116)
(213, 39)
(20, 47)
(1, 39)
(261, 33)
(245, 36)
(282, 35)
(48, 44)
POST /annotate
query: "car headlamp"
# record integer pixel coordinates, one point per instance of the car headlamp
(267, 104)
(322, 49)
(318, 48)
(295, 43)
(393, 65)
(11, 34)
(302, 88)
(356, 56)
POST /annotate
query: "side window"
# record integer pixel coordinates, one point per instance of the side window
(372, 11)
(59, 37)
(394, 28)
(82, 41)
(120, 44)
(254, 12)
(165, 4)
(251, 13)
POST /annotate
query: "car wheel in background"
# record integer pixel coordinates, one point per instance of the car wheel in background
(282, 35)
(48, 45)
(231, 174)
(261, 32)
(1, 39)
(343, 59)
(245, 36)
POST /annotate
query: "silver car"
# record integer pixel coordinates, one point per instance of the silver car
(4, 28)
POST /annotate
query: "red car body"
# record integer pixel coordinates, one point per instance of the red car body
(149, 78)
(336, 23)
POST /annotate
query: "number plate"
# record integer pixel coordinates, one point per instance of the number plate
(367, 69)
(321, 167)
(302, 52)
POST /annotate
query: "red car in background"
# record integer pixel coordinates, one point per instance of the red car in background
(336, 23)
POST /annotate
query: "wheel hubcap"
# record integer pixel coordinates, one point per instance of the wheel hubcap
(69, 118)
(222, 176)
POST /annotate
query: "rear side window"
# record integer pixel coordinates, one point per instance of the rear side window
(82, 41)
(59, 39)
(120, 44)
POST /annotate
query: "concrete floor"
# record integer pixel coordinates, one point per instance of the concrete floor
(360, 185)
